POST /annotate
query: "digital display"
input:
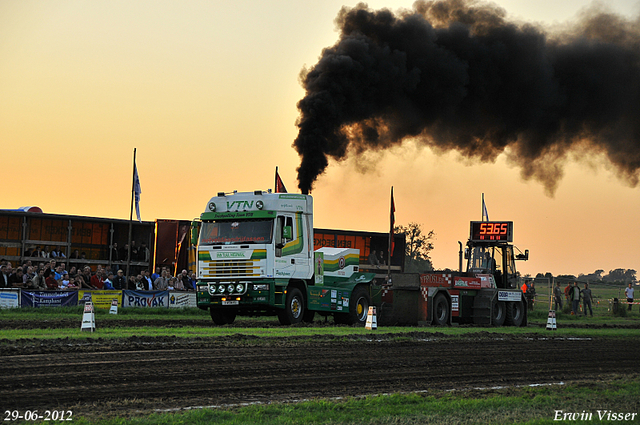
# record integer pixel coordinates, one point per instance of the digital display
(486, 231)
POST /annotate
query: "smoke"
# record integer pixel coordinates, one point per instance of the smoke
(457, 75)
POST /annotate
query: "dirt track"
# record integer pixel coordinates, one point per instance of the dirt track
(142, 374)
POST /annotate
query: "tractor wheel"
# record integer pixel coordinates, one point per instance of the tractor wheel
(515, 313)
(223, 317)
(293, 308)
(499, 313)
(440, 310)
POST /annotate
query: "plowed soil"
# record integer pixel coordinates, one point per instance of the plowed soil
(133, 376)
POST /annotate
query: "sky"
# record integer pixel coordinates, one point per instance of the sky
(206, 92)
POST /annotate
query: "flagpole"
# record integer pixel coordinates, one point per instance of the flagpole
(482, 206)
(133, 183)
(391, 223)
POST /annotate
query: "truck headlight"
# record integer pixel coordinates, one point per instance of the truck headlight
(230, 288)
(239, 287)
(221, 289)
(260, 286)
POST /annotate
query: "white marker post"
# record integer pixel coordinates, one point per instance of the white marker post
(88, 318)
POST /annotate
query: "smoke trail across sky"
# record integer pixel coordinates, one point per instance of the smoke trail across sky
(457, 75)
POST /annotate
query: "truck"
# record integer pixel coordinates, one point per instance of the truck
(487, 292)
(255, 256)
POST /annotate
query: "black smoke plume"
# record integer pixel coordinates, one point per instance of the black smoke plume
(457, 75)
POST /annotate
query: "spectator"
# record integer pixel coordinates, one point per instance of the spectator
(155, 275)
(178, 284)
(51, 282)
(586, 299)
(140, 283)
(172, 284)
(192, 281)
(373, 259)
(72, 284)
(134, 251)
(86, 276)
(97, 280)
(628, 292)
(64, 282)
(38, 281)
(73, 271)
(161, 283)
(143, 253)
(557, 297)
(59, 272)
(45, 252)
(115, 254)
(184, 278)
(124, 253)
(29, 275)
(37, 252)
(119, 281)
(575, 298)
(57, 253)
(567, 291)
(15, 279)
(4, 276)
(530, 295)
(146, 280)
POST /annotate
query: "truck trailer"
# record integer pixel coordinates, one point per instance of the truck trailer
(255, 256)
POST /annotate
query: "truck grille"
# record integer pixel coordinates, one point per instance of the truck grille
(231, 268)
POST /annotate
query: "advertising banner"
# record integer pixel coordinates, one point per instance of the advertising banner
(49, 298)
(182, 299)
(148, 299)
(9, 298)
(101, 299)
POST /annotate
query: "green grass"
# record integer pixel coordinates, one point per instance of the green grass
(521, 405)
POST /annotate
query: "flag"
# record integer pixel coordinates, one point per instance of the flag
(136, 190)
(392, 222)
(279, 184)
(485, 213)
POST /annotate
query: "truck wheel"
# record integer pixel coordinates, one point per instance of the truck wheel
(499, 313)
(359, 306)
(293, 308)
(223, 317)
(440, 310)
(515, 313)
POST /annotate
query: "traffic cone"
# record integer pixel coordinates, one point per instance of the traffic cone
(371, 319)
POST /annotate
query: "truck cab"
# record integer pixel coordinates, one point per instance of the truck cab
(255, 257)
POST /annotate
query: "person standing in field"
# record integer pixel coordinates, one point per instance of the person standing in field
(628, 292)
(575, 298)
(557, 296)
(586, 300)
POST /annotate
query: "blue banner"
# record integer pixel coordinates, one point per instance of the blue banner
(148, 299)
(49, 299)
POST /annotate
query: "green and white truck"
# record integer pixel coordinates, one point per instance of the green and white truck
(255, 257)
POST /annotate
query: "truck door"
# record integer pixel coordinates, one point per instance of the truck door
(291, 257)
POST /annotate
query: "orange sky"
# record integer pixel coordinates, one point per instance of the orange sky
(207, 91)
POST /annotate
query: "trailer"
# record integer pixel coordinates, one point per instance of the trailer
(486, 293)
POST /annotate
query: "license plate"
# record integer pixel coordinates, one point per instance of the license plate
(230, 302)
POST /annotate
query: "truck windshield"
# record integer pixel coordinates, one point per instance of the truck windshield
(229, 232)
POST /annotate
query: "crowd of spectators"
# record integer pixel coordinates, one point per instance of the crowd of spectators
(53, 275)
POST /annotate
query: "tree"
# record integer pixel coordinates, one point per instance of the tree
(417, 248)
